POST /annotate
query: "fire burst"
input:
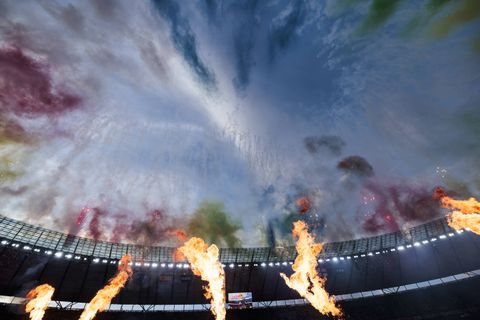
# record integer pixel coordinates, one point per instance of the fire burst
(104, 297)
(305, 279)
(466, 213)
(39, 298)
(205, 264)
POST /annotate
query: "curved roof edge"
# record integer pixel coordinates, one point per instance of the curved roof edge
(38, 238)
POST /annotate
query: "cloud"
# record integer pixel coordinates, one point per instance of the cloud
(356, 165)
(333, 144)
(285, 27)
(184, 39)
(244, 41)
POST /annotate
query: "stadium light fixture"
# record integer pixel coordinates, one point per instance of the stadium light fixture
(263, 264)
(36, 250)
(335, 259)
(408, 246)
(27, 248)
(393, 249)
(417, 244)
(170, 265)
(378, 252)
(370, 254)
(451, 234)
(162, 265)
(96, 260)
(342, 258)
(348, 257)
(48, 252)
(284, 263)
(68, 256)
(425, 241)
(58, 254)
(433, 239)
(400, 248)
(4, 242)
(443, 236)
(154, 265)
(270, 264)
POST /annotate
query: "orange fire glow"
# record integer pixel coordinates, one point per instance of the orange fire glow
(458, 220)
(104, 296)
(205, 264)
(303, 205)
(180, 234)
(39, 298)
(465, 213)
(305, 279)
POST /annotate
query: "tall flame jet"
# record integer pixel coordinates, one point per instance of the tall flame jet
(465, 214)
(39, 298)
(104, 296)
(305, 279)
(205, 264)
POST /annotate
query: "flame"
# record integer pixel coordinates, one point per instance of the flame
(104, 296)
(466, 213)
(305, 279)
(458, 220)
(39, 298)
(205, 264)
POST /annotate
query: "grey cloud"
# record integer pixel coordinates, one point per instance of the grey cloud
(284, 28)
(73, 18)
(244, 41)
(184, 40)
(332, 144)
(356, 165)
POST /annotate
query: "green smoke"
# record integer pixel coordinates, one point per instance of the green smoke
(212, 223)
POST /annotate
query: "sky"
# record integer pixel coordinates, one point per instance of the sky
(128, 120)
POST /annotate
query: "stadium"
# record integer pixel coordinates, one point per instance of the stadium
(408, 275)
(239, 159)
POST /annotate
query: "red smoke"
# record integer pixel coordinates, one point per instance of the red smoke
(393, 205)
(94, 226)
(26, 87)
(303, 205)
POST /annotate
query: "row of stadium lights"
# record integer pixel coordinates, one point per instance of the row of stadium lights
(60, 254)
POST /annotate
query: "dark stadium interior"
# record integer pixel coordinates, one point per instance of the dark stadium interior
(447, 302)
